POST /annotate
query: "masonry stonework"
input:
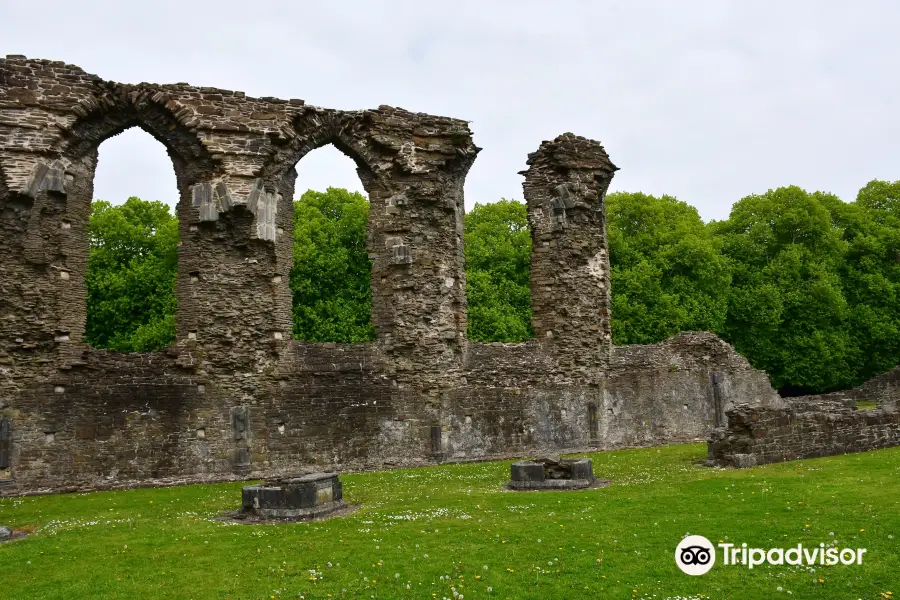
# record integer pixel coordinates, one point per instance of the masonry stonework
(811, 426)
(565, 191)
(234, 397)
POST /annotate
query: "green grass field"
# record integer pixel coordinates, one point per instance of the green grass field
(432, 532)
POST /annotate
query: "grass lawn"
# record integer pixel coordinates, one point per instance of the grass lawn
(421, 531)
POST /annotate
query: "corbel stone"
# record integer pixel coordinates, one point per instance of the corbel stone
(401, 255)
(43, 177)
(558, 214)
(222, 196)
(258, 189)
(565, 193)
(203, 200)
(55, 178)
(400, 252)
(212, 198)
(267, 208)
(395, 204)
(202, 193)
(264, 206)
(33, 184)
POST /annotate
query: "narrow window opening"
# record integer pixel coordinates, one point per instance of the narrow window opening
(593, 430)
(5, 448)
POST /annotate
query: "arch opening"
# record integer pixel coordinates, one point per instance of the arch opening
(188, 156)
(133, 239)
(331, 273)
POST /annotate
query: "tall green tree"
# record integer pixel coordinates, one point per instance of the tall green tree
(787, 310)
(806, 286)
(667, 271)
(870, 274)
(132, 264)
(498, 272)
(330, 279)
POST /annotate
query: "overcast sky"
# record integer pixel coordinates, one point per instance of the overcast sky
(708, 101)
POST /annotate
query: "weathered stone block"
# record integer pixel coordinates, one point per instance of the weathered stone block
(553, 473)
(582, 469)
(527, 471)
(300, 497)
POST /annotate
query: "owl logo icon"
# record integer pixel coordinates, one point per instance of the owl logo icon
(695, 555)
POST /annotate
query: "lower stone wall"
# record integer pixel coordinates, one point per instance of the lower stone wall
(107, 420)
(810, 426)
(677, 391)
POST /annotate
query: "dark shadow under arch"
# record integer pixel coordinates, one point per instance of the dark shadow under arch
(4, 189)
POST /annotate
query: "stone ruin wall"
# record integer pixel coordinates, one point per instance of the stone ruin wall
(234, 397)
(811, 426)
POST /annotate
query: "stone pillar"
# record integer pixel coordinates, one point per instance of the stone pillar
(413, 167)
(234, 301)
(419, 164)
(45, 250)
(565, 190)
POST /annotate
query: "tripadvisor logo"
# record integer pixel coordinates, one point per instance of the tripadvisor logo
(696, 555)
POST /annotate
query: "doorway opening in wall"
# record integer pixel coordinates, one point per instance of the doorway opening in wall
(133, 257)
(5, 449)
(331, 276)
(498, 272)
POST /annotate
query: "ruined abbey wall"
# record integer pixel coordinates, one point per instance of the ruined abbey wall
(811, 426)
(234, 397)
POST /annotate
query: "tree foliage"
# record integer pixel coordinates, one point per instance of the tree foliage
(667, 270)
(815, 285)
(498, 272)
(806, 286)
(330, 279)
(787, 312)
(132, 264)
(870, 273)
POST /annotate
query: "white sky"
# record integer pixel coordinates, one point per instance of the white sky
(708, 101)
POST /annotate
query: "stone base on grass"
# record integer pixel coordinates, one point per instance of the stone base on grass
(553, 473)
(309, 497)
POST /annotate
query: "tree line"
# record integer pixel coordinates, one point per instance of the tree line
(804, 285)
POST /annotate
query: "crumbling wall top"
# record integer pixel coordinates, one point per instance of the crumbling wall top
(51, 108)
(573, 152)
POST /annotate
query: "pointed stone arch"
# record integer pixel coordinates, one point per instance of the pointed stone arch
(314, 129)
(62, 185)
(124, 107)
